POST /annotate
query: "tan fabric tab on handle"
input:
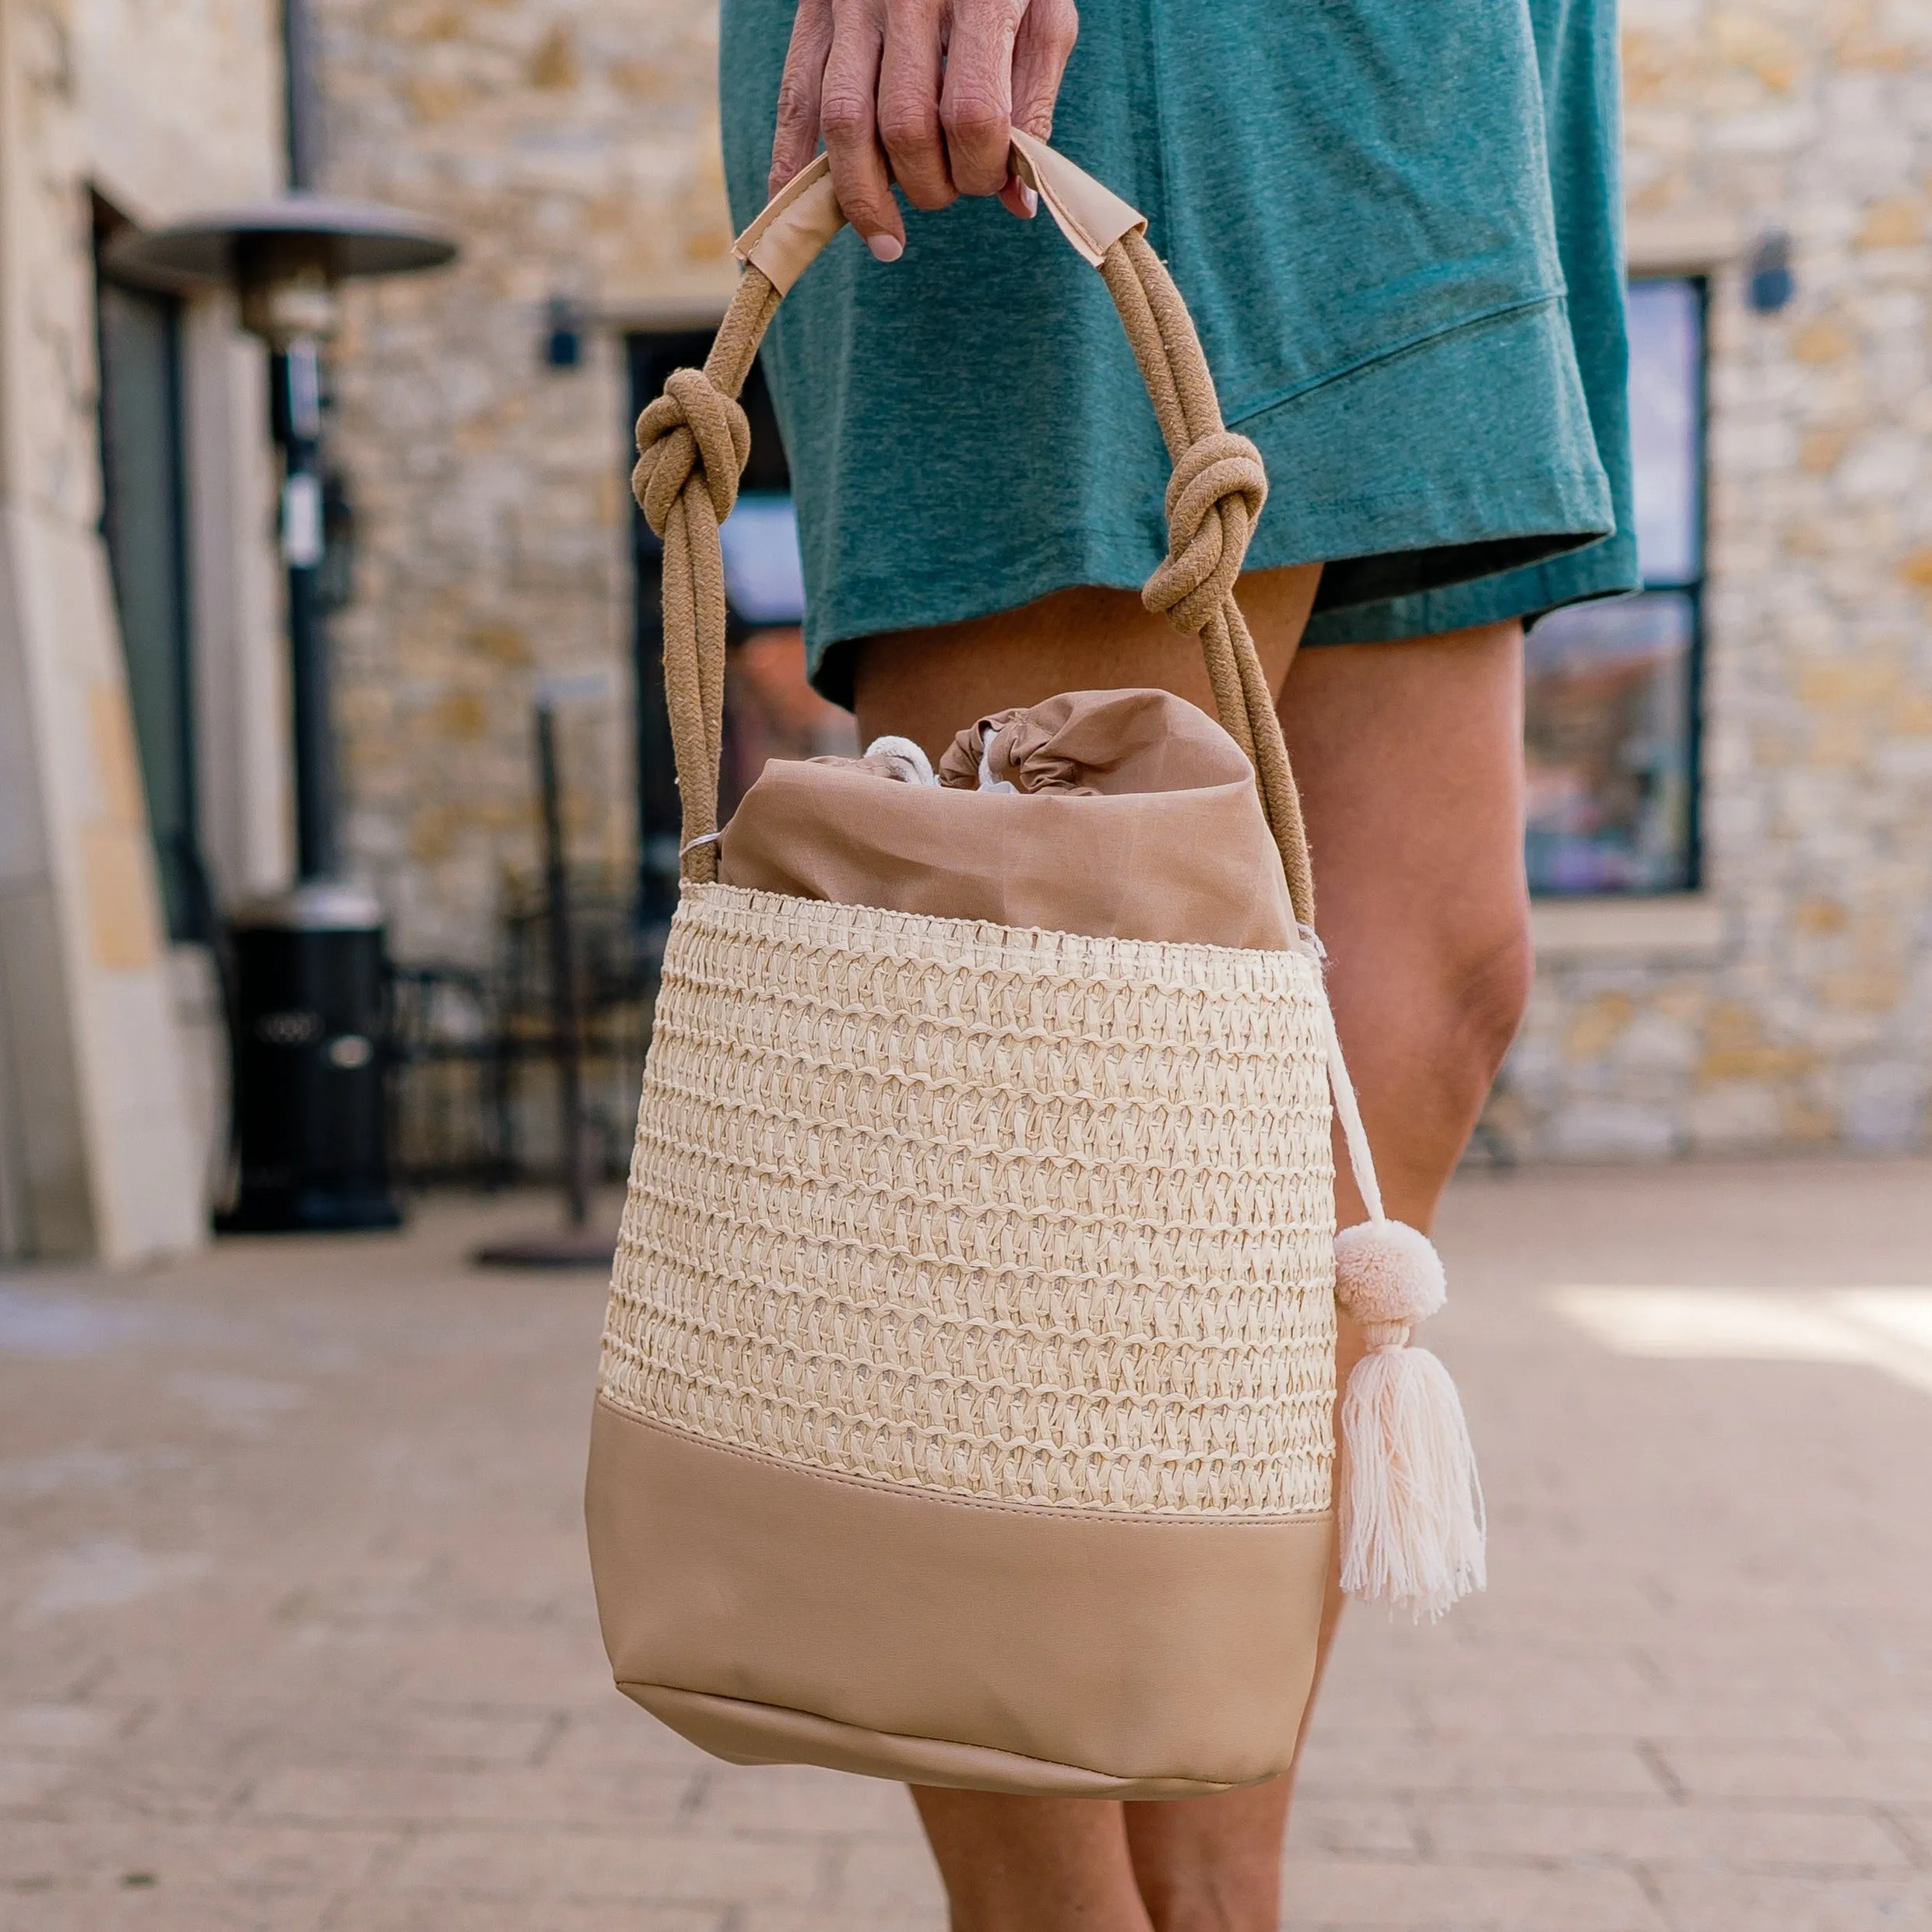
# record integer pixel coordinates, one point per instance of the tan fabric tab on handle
(794, 226)
(805, 214)
(1091, 217)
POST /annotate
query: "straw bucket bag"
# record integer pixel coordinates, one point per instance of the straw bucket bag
(965, 1412)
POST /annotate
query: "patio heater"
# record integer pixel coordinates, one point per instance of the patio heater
(309, 1021)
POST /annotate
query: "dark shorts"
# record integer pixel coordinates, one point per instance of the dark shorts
(1397, 228)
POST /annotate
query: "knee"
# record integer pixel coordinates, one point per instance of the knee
(1428, 996)
(1428, 1026)
(1485, 974)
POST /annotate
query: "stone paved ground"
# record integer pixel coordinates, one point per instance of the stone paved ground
(298, 1634)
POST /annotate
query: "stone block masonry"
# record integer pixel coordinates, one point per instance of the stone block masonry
(575, 151)
(1809, 1024)
(301, 1635)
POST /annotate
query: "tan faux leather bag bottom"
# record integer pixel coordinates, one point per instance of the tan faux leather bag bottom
(773, 1614)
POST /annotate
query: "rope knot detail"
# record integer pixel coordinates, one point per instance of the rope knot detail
(693, 429)
(1214, 497)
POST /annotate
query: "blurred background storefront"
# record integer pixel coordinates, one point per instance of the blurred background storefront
(1730, 798)
(143, 759)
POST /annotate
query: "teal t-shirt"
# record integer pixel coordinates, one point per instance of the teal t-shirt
(1395, 227)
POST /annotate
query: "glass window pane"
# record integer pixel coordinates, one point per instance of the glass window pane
(1665, 359)
(141, 459)
(1610, 745)
(763, 577)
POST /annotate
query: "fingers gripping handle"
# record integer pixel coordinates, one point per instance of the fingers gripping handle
(692, 444)
(805, 215)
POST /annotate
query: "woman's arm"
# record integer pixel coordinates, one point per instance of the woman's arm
(924, 92)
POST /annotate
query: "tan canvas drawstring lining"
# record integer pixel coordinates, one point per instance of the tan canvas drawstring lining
(693, 442)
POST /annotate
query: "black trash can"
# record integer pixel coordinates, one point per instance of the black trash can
(309, 1055)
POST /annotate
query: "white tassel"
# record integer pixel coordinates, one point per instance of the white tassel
(1412, 1524)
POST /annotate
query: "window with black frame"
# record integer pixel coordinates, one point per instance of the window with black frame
(1612, 687)
(143, 519)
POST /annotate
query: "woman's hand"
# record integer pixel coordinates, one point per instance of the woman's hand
(924, 92)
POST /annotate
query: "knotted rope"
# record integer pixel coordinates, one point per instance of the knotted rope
(692, 444)
(692, 429)
(1214, 498)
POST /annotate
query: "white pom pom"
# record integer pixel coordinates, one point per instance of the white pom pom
(1387, 1273)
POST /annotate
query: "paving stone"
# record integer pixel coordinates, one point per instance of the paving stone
(160, 1908)
(1866, 1716)
(1615, 1706)
(799, 1797)
(616, 1735)
(1703, 1901)
(59, 1728)
(1879, 1775)
(1368, 1767)
(684, 1868)
(391, 1794)
(392, 1731)
(1700, 1836)
(450, 1913)
(883, 1882)
(906, 1918)
(380, 1703)
(36, 1853)
(1332, 1894)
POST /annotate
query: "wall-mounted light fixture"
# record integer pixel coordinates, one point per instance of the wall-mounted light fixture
(563, 332)
(1768, 285)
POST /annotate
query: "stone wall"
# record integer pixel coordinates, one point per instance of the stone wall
(1805, 1020)
(573, 149)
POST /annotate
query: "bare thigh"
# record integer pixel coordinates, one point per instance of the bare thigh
(1408, 756)
(925, 685)
(1011, 1863)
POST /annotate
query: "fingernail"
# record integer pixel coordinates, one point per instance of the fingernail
(1030, 200)
(885, 248)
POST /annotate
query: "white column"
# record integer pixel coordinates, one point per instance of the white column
(99, 1145)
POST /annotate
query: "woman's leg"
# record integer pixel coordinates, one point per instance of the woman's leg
(925, 685)
(1014, 1864)
(1031, 1864)
(1410, 757)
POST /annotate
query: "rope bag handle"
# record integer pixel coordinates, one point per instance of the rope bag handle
(693, 440)
(1410, 1506)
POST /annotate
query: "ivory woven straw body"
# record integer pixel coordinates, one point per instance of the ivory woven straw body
(964, 1410)
(1023, 1216)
